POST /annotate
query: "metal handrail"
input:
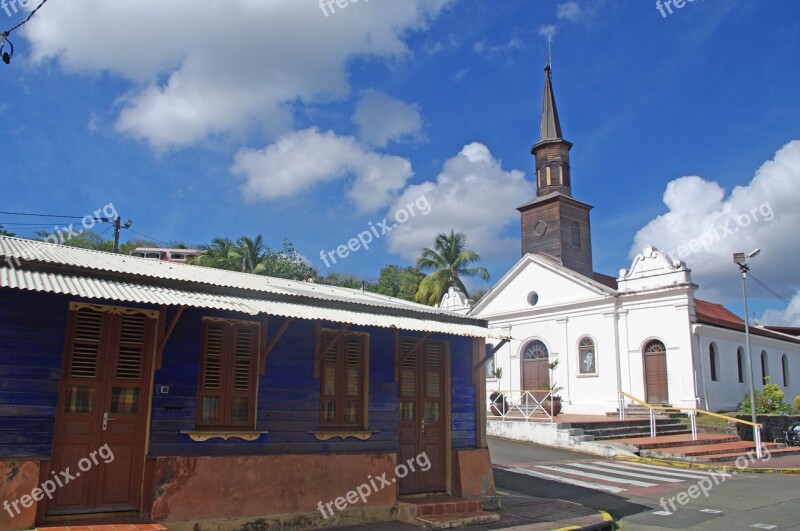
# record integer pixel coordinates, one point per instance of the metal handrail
(525, 405)
(693, 412)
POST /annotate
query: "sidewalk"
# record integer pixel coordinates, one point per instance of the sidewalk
(521, 512)
(774, 465)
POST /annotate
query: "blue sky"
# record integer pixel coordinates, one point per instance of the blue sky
(203, 118)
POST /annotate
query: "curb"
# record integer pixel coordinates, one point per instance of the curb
(707, 466)
(606, 523)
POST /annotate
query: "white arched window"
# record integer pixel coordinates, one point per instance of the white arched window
(587, 356)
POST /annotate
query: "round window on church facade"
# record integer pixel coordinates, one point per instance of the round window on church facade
(533, 298)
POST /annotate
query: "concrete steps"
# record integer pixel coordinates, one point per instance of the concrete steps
(444, 512)
(708, 448)
(622, 428)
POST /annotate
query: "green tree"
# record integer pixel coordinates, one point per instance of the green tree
(287, 263)
(768, 402)
(450, 260)
(4, 232)
(87, 239)
(396, 281)
(221, 253)
(251, 253)
(343, 280)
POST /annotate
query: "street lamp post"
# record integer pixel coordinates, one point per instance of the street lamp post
(740, 259)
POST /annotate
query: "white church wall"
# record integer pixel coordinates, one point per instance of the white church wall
(727, 392)
(664, 317)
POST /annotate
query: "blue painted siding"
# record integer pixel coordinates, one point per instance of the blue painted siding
(32, 327)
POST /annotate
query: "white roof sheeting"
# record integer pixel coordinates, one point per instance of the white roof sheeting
(17, 249)
(98, 288)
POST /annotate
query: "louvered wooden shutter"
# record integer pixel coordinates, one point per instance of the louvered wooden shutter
(228, 376)
(131, 347)
(433, 369)
(408, 368)
(342, 380)
(86, 343)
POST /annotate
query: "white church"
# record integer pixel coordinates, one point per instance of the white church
(644, 332)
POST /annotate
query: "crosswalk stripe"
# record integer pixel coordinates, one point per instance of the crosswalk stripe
(626, 473)
(696, 474)
(597, 476)
(662, 472)
(571, 481)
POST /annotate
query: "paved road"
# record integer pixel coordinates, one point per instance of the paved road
(644, 497)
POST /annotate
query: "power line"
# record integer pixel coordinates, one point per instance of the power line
(148, 237)
(40, 215)
(788, 303)
(6, 56)
(5, 33)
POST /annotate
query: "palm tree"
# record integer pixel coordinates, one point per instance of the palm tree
(252, 253)
(449, 260)
(221, 254)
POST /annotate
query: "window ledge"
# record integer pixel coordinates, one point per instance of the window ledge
(326, 435)
(201, 436)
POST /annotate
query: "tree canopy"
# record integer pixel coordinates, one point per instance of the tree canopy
(450, 260)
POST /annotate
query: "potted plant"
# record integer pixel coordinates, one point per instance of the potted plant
(499, 406)
(553, 403)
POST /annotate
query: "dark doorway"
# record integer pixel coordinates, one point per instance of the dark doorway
(423, 419)
(655, 372)
(103, 405)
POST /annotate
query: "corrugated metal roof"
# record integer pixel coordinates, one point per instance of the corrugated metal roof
(17, 249)
(28, 254)
(94, 288)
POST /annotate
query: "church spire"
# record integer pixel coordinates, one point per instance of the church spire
(551, 151)
(551, 127)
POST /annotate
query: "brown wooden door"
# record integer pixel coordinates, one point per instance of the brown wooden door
(535, 372)
(423, 406)
(655, 373)
(101, 420)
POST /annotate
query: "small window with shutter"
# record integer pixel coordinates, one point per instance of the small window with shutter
(342, 380)
(228, 388)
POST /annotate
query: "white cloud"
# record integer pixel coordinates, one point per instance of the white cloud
(569, 11)
(547, 31)
(472, 194)
(787, 317)
(299, 160)
(483, 48)
(381, 118)
(704, 228)
(204, 68)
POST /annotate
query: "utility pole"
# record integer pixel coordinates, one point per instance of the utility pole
(118, 226)
(740, 259)
(117, 229)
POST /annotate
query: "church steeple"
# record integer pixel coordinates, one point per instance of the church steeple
(555, 223)
(551, 151)
(551, 127)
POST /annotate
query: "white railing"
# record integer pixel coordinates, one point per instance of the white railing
(520, 404)
(692, 412)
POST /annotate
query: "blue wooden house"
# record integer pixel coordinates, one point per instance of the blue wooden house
(186, 395)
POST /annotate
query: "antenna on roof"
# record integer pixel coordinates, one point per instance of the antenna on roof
(550, 51)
